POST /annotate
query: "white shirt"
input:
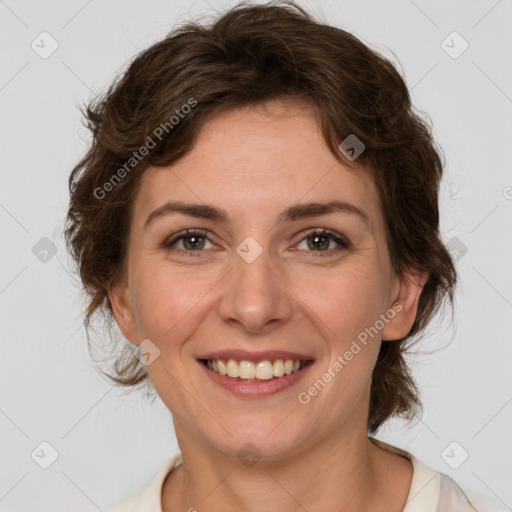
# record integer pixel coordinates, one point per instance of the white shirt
(430, 490)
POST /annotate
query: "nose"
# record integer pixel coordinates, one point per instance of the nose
(255, 297)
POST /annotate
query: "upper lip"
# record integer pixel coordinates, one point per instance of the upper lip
(243, 355)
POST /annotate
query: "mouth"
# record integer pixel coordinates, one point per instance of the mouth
(249, 371)
(253, 376)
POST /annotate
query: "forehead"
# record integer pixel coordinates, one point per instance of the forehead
(258, 159)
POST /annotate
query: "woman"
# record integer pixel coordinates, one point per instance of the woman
(258, 213)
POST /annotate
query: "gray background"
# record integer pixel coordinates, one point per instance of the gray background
(108, 443)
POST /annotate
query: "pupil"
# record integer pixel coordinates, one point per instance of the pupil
(316, 238)
(195, 244)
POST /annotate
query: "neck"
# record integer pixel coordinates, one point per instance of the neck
(346, 473)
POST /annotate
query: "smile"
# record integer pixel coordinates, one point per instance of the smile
(258, 379)
(261, 370)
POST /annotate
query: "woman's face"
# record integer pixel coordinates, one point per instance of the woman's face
(260, 281)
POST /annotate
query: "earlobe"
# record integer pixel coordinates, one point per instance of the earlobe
(123, 312)
(405, 305)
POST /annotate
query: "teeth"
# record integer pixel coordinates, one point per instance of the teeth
(263, 370)
(278, 367)
(222, 368)
(246, 370)
(232, 369)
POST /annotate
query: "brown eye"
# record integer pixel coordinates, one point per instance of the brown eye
(318, 242)
(192, 241)
(321, 241)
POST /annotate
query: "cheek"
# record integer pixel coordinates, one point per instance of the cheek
(346, 300)
(167, 304)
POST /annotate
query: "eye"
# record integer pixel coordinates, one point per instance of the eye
(192, 240)
(319, 240)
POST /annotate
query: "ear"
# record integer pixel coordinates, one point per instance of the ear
(123, 311)
(404, 300)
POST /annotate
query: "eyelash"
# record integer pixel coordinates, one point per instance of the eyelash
(339, 239)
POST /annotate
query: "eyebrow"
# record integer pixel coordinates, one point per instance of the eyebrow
(293, 212)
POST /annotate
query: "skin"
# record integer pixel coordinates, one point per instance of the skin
(253, 162)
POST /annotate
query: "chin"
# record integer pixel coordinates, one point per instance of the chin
(270, 439)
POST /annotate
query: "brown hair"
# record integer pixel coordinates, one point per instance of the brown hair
(251, 54)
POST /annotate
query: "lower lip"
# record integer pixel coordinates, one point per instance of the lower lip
(256, 389)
